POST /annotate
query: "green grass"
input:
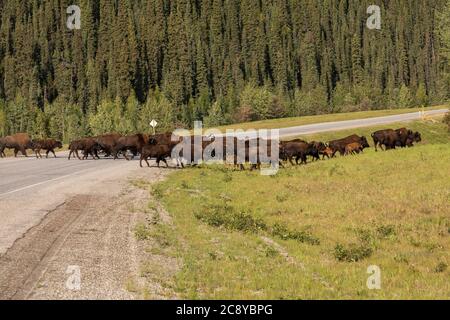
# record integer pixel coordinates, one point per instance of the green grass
(241, 235)
(298, 121)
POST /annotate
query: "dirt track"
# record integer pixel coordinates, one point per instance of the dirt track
(93, 232)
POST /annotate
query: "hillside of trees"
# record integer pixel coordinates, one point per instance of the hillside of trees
(220, 61)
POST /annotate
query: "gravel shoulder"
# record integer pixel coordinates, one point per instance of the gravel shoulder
(89, 236)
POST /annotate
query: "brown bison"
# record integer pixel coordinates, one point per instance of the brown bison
(412, 138)
(406, 137)
(88, 146)
(297, 150)
(107, 142)
(165, 139)
(133, 143)
(19, 142)
(339, 145)
(159, 151)
(327, 152)
(353, 148)
(2, 152)
(49, 145)
(391, 139)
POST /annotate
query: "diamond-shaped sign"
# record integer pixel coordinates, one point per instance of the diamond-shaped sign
(153, 123)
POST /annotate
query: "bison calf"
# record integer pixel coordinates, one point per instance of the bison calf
(160, 152)
(353, 148)
(49, 145)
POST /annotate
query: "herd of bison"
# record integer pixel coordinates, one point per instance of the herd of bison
(161, 146)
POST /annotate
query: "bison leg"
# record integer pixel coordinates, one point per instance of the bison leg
(54, 154)
(165, 161)
(292, 162)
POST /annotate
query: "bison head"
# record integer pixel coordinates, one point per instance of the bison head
(364, 142)
(58, 144)
(417, 137)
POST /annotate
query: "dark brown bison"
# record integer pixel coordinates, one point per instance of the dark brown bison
(159, 151)
(407, 138)
(412, 138)
(339, 145)
(316, 149)
(164, 139)
(2, 143)
(107, 142)
(19, 142)
(388, 138)
(297, 150)
(88, 146)
(133, 143)
(49, 145)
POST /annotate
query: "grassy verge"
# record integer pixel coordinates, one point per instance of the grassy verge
(312, 231)
(298, 121)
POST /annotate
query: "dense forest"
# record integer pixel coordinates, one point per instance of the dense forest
(220, 61)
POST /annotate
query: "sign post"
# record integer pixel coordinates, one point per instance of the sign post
(153, 124)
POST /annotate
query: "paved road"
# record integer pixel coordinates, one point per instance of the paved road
(348, 124)
(30, 188)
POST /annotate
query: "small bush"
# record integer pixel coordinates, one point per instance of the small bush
(225, 216)
(284, 233)
(157, 191)
(141, 232)
(441, 267)
(385, 231)
(447, 120)
(352, 253)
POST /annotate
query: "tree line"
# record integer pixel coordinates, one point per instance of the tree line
(220, 61)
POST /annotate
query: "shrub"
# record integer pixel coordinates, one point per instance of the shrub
(352, 253)
(225, 216)
(281, 231)
(441, 267)
(447, 120)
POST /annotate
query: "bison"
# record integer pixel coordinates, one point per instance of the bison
(88, 146)
(19, 142)
(49, 145)
(107, 142)
(2, 143)
(327, 152)
(353, 148)
(388, 138)
(158, 151)
(339, 145)
(297, 150)
(134, 143)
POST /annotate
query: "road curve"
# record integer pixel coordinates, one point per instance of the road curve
(348, 124)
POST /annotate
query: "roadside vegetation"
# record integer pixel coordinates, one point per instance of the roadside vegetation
(312, 231)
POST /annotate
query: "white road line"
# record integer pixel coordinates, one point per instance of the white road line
(41, 183)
